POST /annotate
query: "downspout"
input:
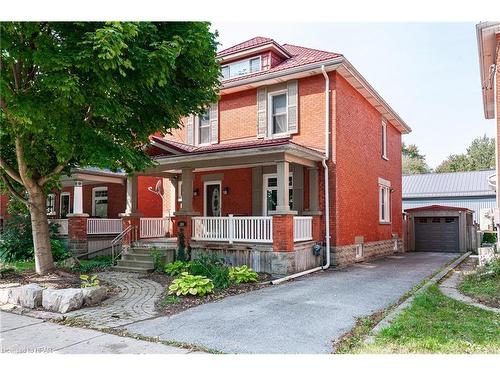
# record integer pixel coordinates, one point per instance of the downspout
(326, 185)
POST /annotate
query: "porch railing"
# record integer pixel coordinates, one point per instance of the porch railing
(302, 228)
(104, 226)
(63, 226)
(252, 229)
(152, 227)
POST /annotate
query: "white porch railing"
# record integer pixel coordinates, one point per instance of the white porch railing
(63, 226)
(104, 226)
(254, 229)
(302, 228)
(152, 227)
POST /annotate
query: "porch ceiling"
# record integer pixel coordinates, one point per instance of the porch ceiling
(248, 157)
(93, 176)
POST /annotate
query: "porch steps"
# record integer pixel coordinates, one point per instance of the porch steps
(139, 259)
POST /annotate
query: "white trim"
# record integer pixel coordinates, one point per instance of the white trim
(384, 212)
(197, 129)
(240, 61)
(205, 200)
(99, 188)
(384, 182)
(254, 50)
(265, 178)
(384, 140)
(53, 212)
(67, 194)
(270, 114)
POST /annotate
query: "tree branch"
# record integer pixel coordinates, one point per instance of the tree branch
(43, 180)
(10, 171)
(21, 164)
(13, 191)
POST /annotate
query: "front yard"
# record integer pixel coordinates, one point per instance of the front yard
(437, 324)
(484, 284)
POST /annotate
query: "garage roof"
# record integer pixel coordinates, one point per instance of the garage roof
(437, 207)
(456, 184)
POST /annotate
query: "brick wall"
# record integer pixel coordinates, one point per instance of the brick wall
(149, 204)
(358, 165)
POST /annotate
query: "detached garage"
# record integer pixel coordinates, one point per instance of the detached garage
(440, 228)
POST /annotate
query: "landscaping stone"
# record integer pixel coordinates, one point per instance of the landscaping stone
(94, 295)
(62, 300)
(10, 295)
(30, 296)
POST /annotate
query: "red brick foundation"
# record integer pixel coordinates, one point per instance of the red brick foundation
(131, 219)
(283, 233)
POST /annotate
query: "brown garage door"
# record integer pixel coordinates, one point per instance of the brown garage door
(436, 234)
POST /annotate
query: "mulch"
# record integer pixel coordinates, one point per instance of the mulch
(58, 279)
(188, 302)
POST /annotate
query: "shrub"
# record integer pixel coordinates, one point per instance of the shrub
(176, 268)
(192, 285)
(489, 237)
(17, 241)
(101, 262)
(243, 274)
(213, 267)
(181, 249)
(89, 281)
(158, 261)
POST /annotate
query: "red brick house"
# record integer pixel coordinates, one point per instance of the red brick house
(250, 171)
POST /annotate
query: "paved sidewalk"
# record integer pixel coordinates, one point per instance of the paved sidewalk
(302, 316)
(22, 334)
(134, 302)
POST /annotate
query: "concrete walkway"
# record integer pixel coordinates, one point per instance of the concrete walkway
(302, 316)
(22, 334)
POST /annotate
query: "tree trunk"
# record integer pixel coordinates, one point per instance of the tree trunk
(44, 262)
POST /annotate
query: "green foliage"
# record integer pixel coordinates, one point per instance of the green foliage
(489, 238)
(97, 263)
(193, 285)
(213, 267)
(158, 261)
(89, 281)
(176, 268)
(171, 300)
(413, 161)
(243, 274)
(16, 242)
(181, 249)
(480, 155)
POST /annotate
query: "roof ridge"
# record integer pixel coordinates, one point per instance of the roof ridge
(309, 48)
(265, 40)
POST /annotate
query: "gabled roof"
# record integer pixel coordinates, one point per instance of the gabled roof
(456, 184)
(436, 207)
(251, 43)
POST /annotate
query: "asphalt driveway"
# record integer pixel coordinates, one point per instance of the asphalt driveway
(302, 316)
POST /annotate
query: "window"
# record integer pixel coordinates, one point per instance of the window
(384, 140)
(278, 113)
(100, 202)
(385, 204)
(241, 68)
(51, 204)
(271, 192)
(204, 127)
(64, 205)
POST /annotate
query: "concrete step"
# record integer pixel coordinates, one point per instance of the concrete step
(149, 249)
(132, 269)
(147, 265)
(139, 257)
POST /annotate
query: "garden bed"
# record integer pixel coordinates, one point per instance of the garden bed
(482, 285)
(171, 305)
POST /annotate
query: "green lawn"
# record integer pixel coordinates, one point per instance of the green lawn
(437, 324)
(20, 266)
(484, 286)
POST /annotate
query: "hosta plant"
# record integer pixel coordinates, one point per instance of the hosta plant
(176, 268)
(89, 281)
(193, 285)
(243, 274)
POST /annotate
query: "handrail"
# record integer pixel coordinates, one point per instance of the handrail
(130, 232)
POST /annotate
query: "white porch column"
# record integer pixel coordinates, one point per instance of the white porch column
(131, 199)
(78, 197)
(187, 191)
(313, 192)
(283, 173)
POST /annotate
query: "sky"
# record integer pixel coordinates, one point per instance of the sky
(427, 72)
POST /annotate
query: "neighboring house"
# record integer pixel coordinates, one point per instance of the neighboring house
(249, 171)
(488, 40)
(470, 190)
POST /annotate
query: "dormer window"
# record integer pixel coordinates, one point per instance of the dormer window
(241, 68)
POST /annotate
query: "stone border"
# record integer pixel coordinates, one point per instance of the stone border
(389, 318)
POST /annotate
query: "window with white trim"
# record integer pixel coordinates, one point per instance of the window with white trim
(384, 204)
(241, 68)
(384, 140)
(278, 114)
(271, 192)
(204, 127)
(51, 204)
(64, 205)
(100, 202)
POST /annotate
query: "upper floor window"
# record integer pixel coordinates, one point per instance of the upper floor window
(278, 113)
(241, 68)
(384, 140)
(51, 204)
(204, 127)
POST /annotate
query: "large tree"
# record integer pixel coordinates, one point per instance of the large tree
(413, 161)
(90, 94)
(480, 155)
